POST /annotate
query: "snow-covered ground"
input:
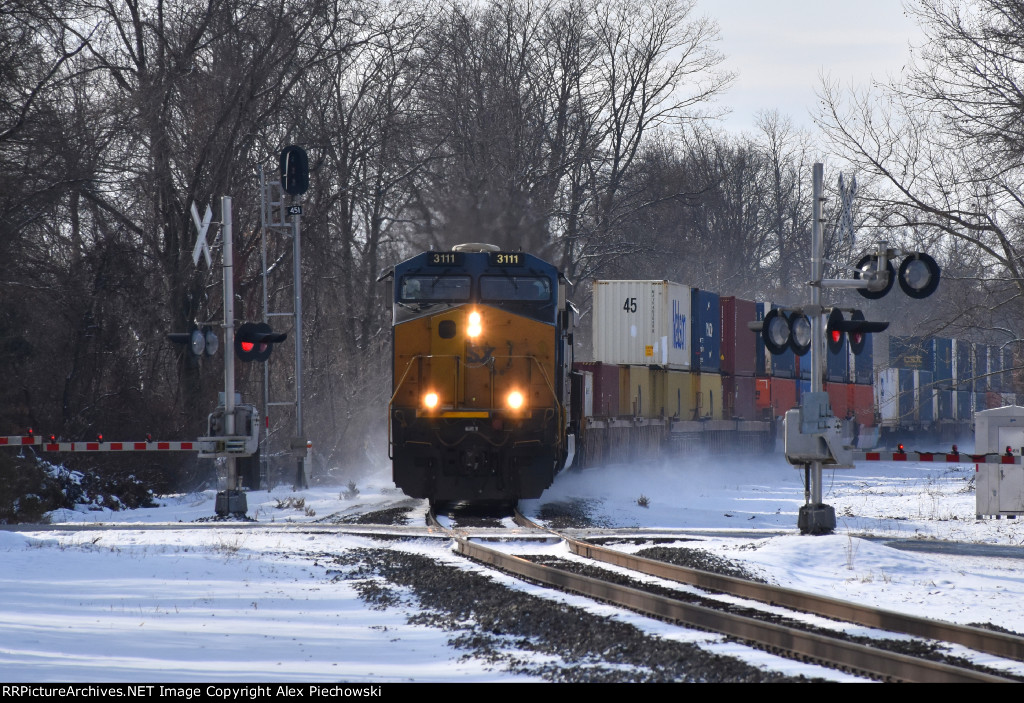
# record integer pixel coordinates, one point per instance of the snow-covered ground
(152, 602)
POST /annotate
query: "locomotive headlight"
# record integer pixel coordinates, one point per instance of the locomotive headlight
(515, 400)
(474, 329)
(430, 400)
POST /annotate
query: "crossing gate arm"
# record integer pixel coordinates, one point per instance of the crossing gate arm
(46, 446)
(938, 457)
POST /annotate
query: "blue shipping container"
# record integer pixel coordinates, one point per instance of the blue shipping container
(995, 366)
(910, 353)
(706, 330)
(837, 366)
(863, 371)
(964, 405)
(942, 362)
(925, 396)
(964, 372)
(945, 403)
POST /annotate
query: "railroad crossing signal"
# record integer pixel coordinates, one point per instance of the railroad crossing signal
(294, 170)
(918, 274)
(254, 341)
(200, 341)
(783, 331)
(857, 327)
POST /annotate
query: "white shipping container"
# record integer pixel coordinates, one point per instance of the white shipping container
(642, 323)
(887, 396)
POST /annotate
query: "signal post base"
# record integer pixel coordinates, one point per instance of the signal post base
(816, 519)
(231, 503)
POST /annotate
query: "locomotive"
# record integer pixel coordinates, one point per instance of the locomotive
(482, 351)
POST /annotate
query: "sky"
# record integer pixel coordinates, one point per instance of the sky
(154, 600)
(782, 48)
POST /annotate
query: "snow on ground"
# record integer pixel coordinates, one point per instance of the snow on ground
(244, 603)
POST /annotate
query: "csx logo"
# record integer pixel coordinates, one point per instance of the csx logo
(678, 327)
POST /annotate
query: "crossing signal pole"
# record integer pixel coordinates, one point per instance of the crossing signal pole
(812, 433)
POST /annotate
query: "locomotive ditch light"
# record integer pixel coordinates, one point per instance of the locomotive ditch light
(879, 282)
(515, 400)
(431, 400)
(919, 275)
(475, 327)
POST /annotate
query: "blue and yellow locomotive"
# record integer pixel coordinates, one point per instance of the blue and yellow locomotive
(482, 350)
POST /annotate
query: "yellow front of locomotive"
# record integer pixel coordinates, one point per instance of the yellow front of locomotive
(477, 411)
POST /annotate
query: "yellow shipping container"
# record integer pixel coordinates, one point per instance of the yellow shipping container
(636, 397)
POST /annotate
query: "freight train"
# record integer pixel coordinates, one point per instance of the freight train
(488, 403)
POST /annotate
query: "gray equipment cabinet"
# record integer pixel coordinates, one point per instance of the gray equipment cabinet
(999, 488)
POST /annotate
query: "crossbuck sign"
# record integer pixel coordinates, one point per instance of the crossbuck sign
(201, 246)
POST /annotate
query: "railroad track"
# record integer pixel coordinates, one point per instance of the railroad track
(825, 648)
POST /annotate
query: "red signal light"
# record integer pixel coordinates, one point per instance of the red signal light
(899, 449)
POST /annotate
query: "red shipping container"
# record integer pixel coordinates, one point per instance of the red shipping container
(739, 395)
(861, 402)
(763, 393)
(993, 400)
(739, 344)
(606, 386)
(783, 395)
(838, 398)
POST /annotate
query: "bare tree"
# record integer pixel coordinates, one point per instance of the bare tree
(942, 146)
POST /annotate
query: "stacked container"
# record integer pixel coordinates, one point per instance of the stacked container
(643, 322)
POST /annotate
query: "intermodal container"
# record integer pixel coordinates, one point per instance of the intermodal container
(839, 399)
(945, 406)
(887, 396)
(995, 369)
(924, 386)
(993, 400)
(760, 367)
(942, 362)
(606, 387)
(862, 366)
(706, 331)
(783, 395)
(739, 398)
(642, 323)
(680, 394)
(837, 365)
(739, 343)
(636, 397)
(908, 398)
(963, 365)
(913, 353)
(710, 401)
(964, 405)
(862, 404)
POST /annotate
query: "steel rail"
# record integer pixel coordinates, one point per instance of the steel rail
(991, 642)
(800, 644)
